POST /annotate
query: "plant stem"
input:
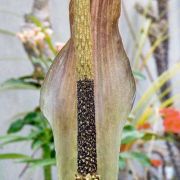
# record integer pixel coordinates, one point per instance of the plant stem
(47, 169)
(47, 173)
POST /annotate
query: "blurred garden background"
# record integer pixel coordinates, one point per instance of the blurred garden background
(31, 34)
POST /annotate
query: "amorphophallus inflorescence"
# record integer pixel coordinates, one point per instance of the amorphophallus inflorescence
(88, 93)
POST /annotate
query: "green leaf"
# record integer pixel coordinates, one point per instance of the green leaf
(125, 155)
(128, 128)
(141, 157)
(12, 156)
(34, 118)
(6, 32)
(39, 135)
(152, 90)
(12, 138)
(16, 126)
(18, 84)
(138, 75)
(35, 20)
(122, 163)
(130, 134)
(149, 136)
(141, 42)
(37, 144)
(40, 162)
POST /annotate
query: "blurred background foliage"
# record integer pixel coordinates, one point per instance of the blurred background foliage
(150, 140)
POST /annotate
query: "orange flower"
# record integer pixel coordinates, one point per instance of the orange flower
(171, 120)
(156, 162)
(144, 126)
(169, 112)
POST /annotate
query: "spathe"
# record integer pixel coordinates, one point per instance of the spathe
(114, 89)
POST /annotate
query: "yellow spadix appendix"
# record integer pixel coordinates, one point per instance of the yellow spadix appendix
(88, 93)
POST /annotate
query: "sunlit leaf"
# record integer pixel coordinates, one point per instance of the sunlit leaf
(145, 116)
(170, 100)
(152, 90)
(37, 144)
(140, 157)
(149, 136)
(35, 20)
(154, 46)
(142, 41)
(12, 138)
(18, 84)
(13, 156)
(40, 162)
(6, 32)
(130, 134)
(138, 75)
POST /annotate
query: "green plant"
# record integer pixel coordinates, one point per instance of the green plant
(40, 135)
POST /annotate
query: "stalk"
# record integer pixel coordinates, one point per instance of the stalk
(47, 169)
